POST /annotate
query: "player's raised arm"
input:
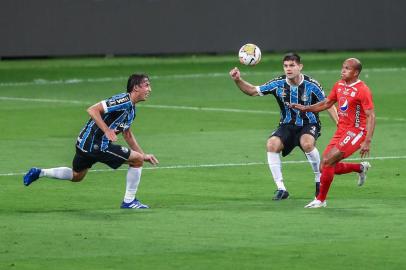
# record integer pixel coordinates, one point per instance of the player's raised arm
(244, 86)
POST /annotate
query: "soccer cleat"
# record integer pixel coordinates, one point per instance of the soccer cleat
(316, 204)
(135, 204)
(362, 176)
(280, 195)
(31, 176)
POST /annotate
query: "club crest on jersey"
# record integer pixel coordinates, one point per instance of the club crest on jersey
(305, 98)
(343, 104)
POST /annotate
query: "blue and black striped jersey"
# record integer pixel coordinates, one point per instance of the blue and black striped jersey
(119, 113)
(308, 92)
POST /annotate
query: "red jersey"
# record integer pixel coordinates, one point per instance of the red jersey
(353, 100)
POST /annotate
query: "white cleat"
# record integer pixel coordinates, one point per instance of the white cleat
(362, 176)
(316, 204)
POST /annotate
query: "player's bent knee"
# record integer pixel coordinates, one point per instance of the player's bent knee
(274, 144)
(307, 146)
(78, 176)
(136, 159)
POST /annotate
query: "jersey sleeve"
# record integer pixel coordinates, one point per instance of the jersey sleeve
(116, 103)
(318, 92)
(366, 99)
(269, 87)
(333, 94)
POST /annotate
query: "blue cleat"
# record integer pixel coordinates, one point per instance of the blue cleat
(280, 195)
(31, 176)
(135, 204)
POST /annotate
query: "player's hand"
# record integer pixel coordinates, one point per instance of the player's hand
(296, 106)
(364, 150)
(151, 159)
(235, 74)
(111, 135)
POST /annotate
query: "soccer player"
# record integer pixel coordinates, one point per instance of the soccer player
(295, 128)
(94, 144)
(355, 128)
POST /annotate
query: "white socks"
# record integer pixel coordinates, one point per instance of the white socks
(314, 159)
(62, 173)
(133, 180)
(274, 162)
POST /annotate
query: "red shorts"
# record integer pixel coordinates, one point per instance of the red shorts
(347, 141)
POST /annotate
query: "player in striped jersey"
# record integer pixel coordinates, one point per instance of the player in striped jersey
(295, 128)
(95, 142)
(354, 131)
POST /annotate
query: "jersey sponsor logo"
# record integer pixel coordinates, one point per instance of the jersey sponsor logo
(357, 115)
(343, 104)
(113, 102)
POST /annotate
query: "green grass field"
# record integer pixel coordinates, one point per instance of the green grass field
(211, 194)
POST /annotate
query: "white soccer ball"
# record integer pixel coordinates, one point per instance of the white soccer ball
(249, 54)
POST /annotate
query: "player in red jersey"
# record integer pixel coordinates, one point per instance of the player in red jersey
(354, 131)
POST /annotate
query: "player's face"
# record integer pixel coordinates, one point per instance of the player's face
(292, 69)
(348, 71)
(145, 89)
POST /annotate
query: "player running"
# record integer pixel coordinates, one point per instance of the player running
(94, 144)
(355, 128)
(295, 129)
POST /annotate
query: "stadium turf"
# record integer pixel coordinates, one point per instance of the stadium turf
(211, 194)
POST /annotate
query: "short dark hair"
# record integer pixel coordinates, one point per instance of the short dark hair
(291, 57)
(135, 79)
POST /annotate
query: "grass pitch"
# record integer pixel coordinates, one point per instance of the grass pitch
(211, 194)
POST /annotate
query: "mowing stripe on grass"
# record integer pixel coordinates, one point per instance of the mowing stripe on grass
(40, 81)
(199, 166)
(170, 107)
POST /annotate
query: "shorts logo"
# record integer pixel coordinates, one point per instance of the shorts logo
(343, 104)
(313, 130)
(124, 149)
(96, 147)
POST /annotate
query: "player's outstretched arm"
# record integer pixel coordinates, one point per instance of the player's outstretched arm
(244, 86)
(132, 143)
(370, 127)
(318, 107)
(95, 113)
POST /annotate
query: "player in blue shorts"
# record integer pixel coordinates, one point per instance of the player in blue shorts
(295, 128)
(95, 142)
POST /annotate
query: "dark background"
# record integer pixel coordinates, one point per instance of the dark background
(138, 27)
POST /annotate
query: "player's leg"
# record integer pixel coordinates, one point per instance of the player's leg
(330, 159)
(133, 179)
(80, 164)
(274, 146)
(350, 142)
(307, 143)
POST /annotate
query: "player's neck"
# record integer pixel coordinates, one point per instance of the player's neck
(296, 80)
(352, 81)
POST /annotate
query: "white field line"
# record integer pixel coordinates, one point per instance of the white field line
(199, 166)
(40, 81)
(171, 107)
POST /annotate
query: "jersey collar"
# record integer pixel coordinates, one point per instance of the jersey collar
(301, 81)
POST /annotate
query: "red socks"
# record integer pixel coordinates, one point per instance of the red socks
(344, 167)
(327, 176)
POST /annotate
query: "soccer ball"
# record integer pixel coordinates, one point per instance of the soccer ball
(249, 54)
